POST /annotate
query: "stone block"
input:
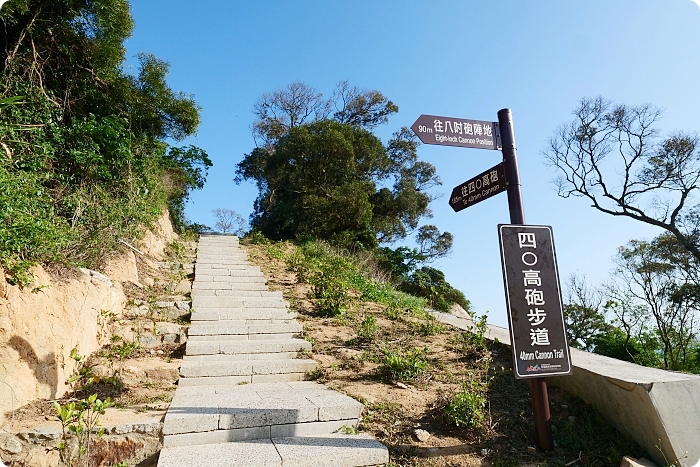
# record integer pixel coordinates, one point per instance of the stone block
(338, 450)
(209, 381)
(178, 453)
(310, 428)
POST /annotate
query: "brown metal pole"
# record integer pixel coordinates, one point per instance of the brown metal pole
(538, 386)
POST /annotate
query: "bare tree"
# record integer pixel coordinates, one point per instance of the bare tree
(366, 108)
(611, 154)
(228, 220)
(582, 313)
(286, 108)
(298, 103)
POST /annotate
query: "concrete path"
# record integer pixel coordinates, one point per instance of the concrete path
(242, 398)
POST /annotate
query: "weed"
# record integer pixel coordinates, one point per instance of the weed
(474, 343)
(466, 408)
(405, 366)
(368, 329)
(275, 251)
(349, 430)
(257, 238)
(430, 327)
(82, 421)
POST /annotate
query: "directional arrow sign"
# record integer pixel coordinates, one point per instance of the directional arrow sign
(449, 131)
(479, 188)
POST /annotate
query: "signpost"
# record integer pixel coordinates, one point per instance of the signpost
(479, 188)
(532, 294)
(533, 299)
(450, 131)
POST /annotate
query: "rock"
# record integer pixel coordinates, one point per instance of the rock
(184, 286)
(47, 433)
(183, 305)
(401, 386)
(163, 374)
(3, 284)
(165, 304)
(421, 435)
(10, 444)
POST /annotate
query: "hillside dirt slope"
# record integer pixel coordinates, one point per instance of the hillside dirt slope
(408, 413)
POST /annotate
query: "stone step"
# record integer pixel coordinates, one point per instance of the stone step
(252, 283)
(236, 293)
(225, 275)
(237, 259)
(338, 450)
(211, 348)
(242, 357)
(239, 302)
(206, 315)
(207, 369)
(233, 265)
(237, 328)
(210, 408)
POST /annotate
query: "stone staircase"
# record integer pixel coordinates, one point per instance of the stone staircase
(242, 398)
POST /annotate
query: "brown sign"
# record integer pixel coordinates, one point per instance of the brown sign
(450, 131)
(533, 298)
(479, 188)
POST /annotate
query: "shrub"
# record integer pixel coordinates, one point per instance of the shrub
(405, 366)
(430, 283)
(368, 328)
(466, 408)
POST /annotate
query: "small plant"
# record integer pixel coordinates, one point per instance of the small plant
(83, 376)
(430, 327)
(474, 342)
(349, 430)
(368, 329)
(466, 408)
(82, 421)
(405, 366)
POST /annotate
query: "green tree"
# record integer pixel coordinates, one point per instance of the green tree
(337, 181)
(656, 298)
(89, 140)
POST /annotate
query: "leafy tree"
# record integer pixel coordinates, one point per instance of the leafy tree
(228, 220)
(430, 283)
(89, 140)
(333, 181)
(656, 299)
(612, 155)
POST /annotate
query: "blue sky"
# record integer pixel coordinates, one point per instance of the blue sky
(465, 59)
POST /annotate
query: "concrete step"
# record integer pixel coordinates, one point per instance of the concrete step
(208, 369)
(212, 348)
(236, 293)
(231, 260)
(240, 329)
(239, 302)
(253, 283)
(279, 409)
(338, 450)
(206, 315)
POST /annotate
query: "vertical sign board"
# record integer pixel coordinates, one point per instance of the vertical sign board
(534, 303)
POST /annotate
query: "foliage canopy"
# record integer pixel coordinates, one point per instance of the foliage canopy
(86, 160)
